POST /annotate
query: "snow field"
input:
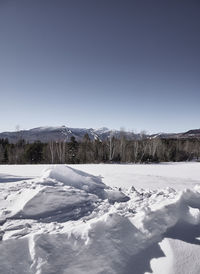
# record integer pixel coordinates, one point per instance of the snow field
(69, 221)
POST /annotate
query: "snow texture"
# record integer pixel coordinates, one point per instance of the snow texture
(68, 221)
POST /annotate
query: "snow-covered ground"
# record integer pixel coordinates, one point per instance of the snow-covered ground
(105, 219)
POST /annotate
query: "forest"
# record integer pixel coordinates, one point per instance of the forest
(112, 150)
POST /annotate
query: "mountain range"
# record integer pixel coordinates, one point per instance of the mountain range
(63, 133)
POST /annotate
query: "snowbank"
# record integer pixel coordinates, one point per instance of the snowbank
(80, 180)
(68, 221)
(61, 194)
(75, 178)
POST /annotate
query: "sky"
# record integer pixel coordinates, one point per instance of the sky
(93, 63)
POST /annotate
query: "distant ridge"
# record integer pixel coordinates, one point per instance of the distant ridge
(63, 133)
(193, 132)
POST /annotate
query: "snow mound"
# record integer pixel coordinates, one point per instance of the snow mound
(81, 180)
(109, 245)
(71, 177)
(61, 194)
(58, 204)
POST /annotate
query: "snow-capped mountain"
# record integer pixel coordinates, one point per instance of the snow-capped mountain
(63, 133)
(194, 133)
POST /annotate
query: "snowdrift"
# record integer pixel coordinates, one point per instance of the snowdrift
(68, 221)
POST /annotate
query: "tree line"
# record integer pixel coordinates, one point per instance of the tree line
(119, 150)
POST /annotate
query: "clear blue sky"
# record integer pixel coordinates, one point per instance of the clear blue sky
(131, 64)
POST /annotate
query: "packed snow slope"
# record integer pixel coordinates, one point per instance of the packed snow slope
(64, 220)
